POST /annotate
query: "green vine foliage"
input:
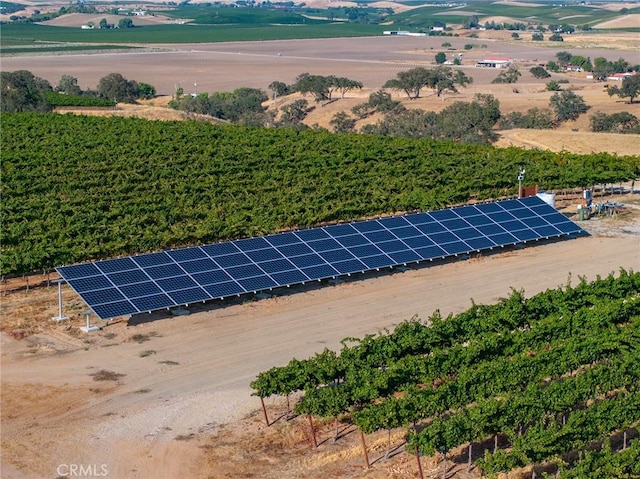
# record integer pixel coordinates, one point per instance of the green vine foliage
(552, 374)
(80, 188)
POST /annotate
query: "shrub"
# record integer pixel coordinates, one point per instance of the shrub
(539, 72)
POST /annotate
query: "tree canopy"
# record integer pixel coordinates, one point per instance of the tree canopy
(439, 79)
(22, 91)
(117, 88)
(630, 88)
(567, 105)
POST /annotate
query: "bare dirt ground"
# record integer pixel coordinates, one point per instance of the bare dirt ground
(165, 396)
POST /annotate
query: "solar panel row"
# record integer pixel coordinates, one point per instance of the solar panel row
(148, 282)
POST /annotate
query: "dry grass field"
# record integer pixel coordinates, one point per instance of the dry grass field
(161, 396)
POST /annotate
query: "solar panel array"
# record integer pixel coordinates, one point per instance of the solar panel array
(148, 282)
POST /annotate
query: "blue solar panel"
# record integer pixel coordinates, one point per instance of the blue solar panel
(115, 309)
(78, 271)
(286, 278)
(500, 216)
(263, 254)
(489, 208)
(215, 250)
(258, 283)
(235, 259)
(431, 228)
(525, 235)
(406, 232)
(444, 237)
(441, 215)
(454, 224)
(418, 242)
(352, 240)
(212, 277)
(251, 244)
(431, 252)
(276, 266)
(115, 265)
(153, 259)
(223, 290)
(244, 271)
(320, 272)
(467, 212)
(294, 250)
(377, 236)
(186, 296)
(311, 235)
(366, 226)
(480, 243)
(128, 277)
(420, 218)
(468, 233)
(186, 254)
(340, 230)
(199, 265)
(147, 282)
(546, 231)
(365, 250)
(152, 303)
(503, 239)
(92, 283)
(141, 289)
(456, 247)
(403, 257)
(164, 271)
(336, 255)
(282, 239)
(379, 261)
(102, 296)
(393, 222)
(178, 282)
(392, 246)
(349, 266)
(568, 227)
(307, 260)
(327, 244)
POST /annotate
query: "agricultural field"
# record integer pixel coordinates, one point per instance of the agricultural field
(164, 396)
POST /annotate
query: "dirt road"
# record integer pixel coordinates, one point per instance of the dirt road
(184, 376)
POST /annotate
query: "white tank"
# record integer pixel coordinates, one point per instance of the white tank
(548, 198)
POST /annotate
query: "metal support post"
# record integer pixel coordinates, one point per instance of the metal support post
(60, 317)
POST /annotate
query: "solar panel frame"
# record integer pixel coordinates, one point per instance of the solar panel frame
(147, 282)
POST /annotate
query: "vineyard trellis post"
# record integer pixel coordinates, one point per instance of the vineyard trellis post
(444, 465)
(419, 463)
(264, 410)
(364, 449)
(313, 432)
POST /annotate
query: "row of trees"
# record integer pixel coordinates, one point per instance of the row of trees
(23, 91)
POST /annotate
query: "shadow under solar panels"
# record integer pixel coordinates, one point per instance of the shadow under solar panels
(153, 281)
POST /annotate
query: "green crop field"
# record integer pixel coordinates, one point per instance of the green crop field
(239, 16)
(16, 34)
(77, 188)
(547, 14)
(61, 48)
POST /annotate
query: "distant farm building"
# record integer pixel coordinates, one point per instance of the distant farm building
(494, 62)
(620, 76)
(403, 33)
